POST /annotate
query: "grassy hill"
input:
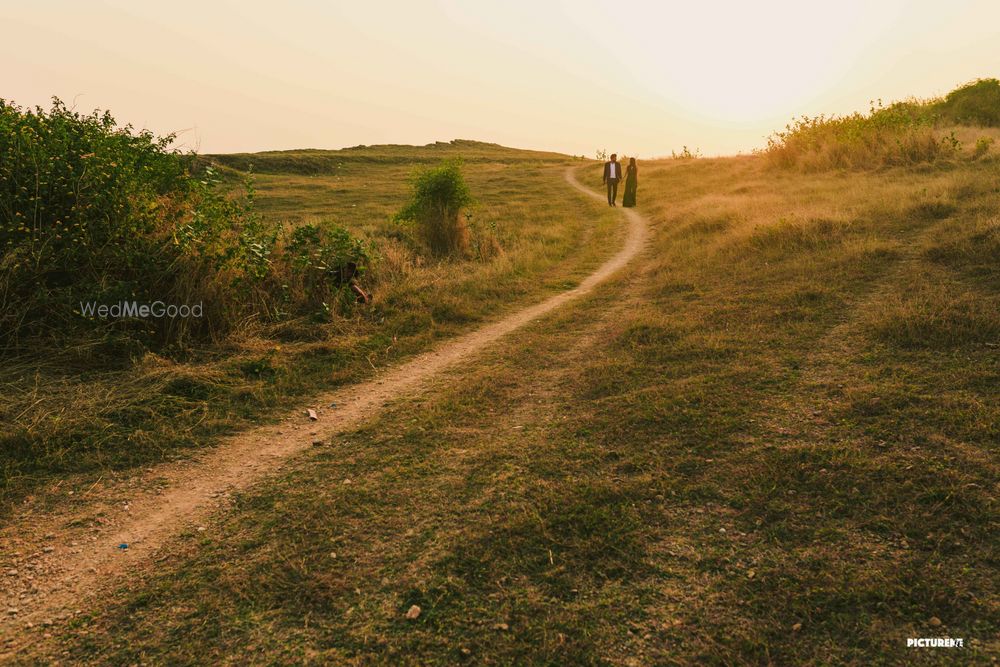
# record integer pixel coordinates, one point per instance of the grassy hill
(95, 406)
(315, 161)
(771, 440)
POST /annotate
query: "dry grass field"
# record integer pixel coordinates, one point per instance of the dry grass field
(772, 440)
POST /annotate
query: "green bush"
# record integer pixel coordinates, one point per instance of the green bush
(440, 196)
(81, 202)
(321, 262)
(976, 103)
(94, 212)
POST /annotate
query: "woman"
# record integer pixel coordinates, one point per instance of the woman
(631, 183)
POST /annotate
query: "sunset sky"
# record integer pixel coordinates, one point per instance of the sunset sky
(574, 76)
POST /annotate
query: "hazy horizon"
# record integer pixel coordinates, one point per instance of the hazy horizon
(574, 77)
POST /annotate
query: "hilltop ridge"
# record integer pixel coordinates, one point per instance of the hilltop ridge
(317, 160)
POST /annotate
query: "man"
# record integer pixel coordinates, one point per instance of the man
(612, 174)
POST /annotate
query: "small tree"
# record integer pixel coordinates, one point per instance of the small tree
(439, 197)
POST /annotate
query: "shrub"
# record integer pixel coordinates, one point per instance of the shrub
(320, 263)
(222, 257)
(439, 196)
(331, 252)
(976, 103)
(982, 147)
(902, 133)
(81, 201)
(91, 211)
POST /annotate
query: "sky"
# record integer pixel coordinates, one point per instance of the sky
(575, 76)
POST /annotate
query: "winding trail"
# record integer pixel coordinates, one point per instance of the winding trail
(58, 567)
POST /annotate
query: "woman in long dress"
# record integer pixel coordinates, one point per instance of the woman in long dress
(631, 183)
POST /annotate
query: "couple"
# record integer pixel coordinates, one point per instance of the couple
(613, 174)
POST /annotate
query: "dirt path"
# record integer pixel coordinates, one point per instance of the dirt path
(51, 563)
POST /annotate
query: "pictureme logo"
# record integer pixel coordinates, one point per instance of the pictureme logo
(123, 309)
(935, 642)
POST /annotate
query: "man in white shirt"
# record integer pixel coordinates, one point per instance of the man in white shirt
(612, 174)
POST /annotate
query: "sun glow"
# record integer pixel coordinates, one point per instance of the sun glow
(643, 77)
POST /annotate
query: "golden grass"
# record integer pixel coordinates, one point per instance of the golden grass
(772, 441)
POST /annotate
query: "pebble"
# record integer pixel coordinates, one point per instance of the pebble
(413, 612)
(934, 621)
(48, 550)
(796, 627)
